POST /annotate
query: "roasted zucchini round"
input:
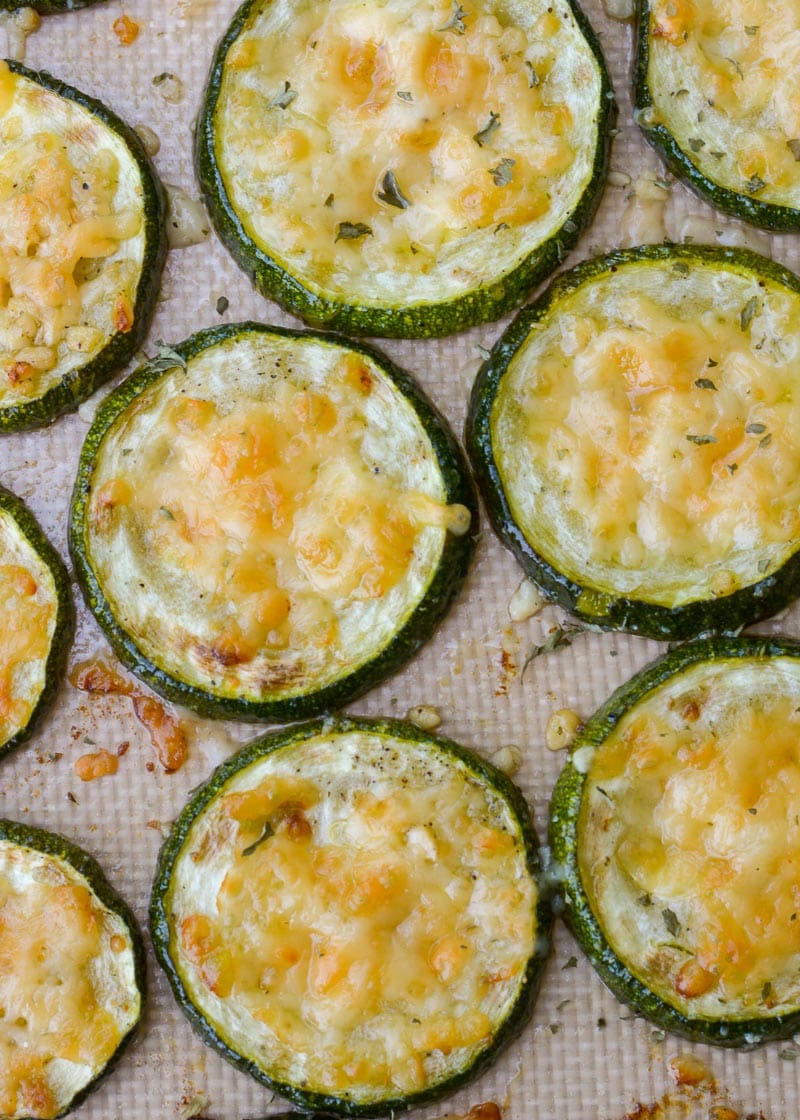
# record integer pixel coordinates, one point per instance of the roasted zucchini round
(407, 169)
(82, 242)
(353, 912)
(35, 621)
(718, 95)
(675, 828)
(73, 981)
(636, 433)
(273, 524)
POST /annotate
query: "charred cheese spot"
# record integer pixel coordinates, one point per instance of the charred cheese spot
(371, 949)
(67, 988)
(278, 525)
(71, 237)
(737, 65)
(318, 103)
(28, 612)
(647, 431)
(688, 837)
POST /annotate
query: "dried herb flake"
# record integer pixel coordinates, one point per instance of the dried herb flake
(705, 383)
(533, 77)
(391, 194)
(483, 137)
(503, 173)
(352, 231)
(456, 21)
(265, 835)
(671, 922)
(558, 638)
(747, 312)
(405, 95)
(701, 440)
(166, 358)
(754, 184)
(284, 97)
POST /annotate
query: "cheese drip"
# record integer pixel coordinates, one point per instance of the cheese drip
(689, 837)
(274, 518)
(27, 619)
(738, 62)
(365, 924)
(370, 146)
(648, 433)
(65, 962)
(69, 238)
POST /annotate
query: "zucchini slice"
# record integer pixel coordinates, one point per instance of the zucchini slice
(353, 912)
(675, 826)
(271, 526)
(74, 996)
(82, 242)
(410, 168)
(636, 435)
(717, 93)
(36, 619)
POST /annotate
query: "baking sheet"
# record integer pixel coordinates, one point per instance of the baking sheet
(583, 1056)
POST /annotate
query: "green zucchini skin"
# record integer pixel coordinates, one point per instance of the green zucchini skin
(64, 621)
(564, 811)
(45, 7)
(517, 1017)
(26, 836)
(767, 215)
(725, 614)
(432, 320)
(442, 590)
(82, 382)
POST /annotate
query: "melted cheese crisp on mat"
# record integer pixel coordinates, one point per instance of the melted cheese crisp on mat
(689, 837)
(407, 150)
(725, 79)
(354, 912)
(28, 613)
(647, 431)
(264, 522)
(71, 237)
(68, 991)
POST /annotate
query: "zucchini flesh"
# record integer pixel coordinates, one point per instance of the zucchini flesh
(81, 246)
(74, 995)
(35, 621)
(407, 170)
(636, 433)
(675, 822)
(273, 528)
(717, 94)
(351, 910)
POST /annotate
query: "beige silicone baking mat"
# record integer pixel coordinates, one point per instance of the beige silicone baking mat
(583, 1056)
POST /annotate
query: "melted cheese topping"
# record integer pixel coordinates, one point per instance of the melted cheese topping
(354, 913)
(647, 431)
(725, 79)
(71, 237)
(486, 130)
(28, 610)
(68, 993)
(279, 510)
(689, 837)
